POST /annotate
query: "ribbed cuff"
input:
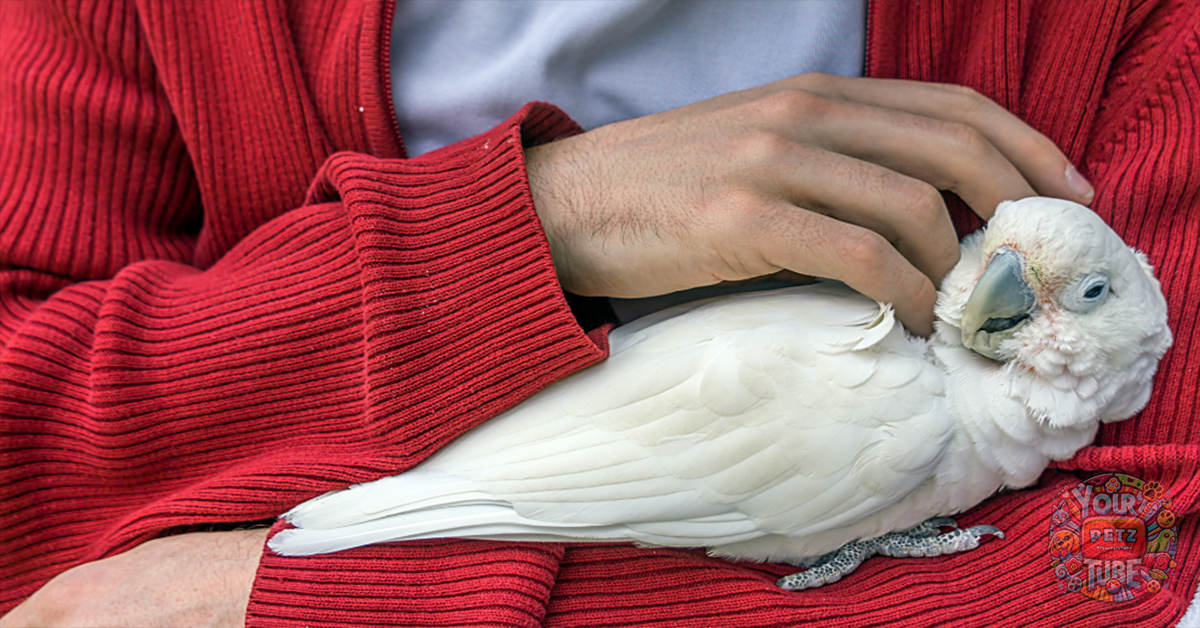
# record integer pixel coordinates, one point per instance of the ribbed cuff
(452, 252)
(422, 583)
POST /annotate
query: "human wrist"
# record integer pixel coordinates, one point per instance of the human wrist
(555, 199)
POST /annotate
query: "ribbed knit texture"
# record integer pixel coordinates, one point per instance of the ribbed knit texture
(223, 291)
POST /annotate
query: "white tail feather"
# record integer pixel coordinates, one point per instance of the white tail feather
(415, 490)
(491, 521)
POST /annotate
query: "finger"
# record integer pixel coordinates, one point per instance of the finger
(947, 155)
(812, 244)
(907, 212)
(1037, 158)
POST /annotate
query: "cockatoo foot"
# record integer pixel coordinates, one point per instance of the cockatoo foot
(830, 567)
(920, 541)
(902, 545)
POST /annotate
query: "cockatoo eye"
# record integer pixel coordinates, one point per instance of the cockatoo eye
(1087, 294)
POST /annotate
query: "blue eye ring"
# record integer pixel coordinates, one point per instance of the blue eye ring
(1096, 290)
(1087, 293)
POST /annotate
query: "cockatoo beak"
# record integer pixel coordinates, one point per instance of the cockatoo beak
(1000, 303)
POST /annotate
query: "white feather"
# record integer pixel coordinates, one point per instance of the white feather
(778, 425)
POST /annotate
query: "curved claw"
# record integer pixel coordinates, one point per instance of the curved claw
(919, 545)
(981, 530)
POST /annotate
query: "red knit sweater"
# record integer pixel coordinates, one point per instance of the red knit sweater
(223, 290)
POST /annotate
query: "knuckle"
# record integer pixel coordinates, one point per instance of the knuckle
(922, 203)
(968, 140)
(968, 104)
(924, 293)
(861, 250)
(789, 104)
(1027, 141)
(965, 98)
(923, 206)
(818, 81)
(962, 91)
(738, 238)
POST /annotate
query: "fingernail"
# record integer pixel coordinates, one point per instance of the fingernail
(1078, 184)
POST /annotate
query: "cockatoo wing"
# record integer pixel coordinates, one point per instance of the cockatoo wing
(781, 413)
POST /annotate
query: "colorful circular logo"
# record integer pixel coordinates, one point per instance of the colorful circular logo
(1112, 538)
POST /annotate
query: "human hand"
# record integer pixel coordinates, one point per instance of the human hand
(199, 579)
(819, 175)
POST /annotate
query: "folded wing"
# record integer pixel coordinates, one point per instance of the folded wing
(781, 413)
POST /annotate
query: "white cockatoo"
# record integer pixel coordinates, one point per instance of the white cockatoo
(801, 423)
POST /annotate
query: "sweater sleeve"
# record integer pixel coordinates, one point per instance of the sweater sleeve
(176, 351)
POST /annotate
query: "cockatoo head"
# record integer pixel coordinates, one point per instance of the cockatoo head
(1073, 317)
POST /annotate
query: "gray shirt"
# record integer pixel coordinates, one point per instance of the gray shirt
(461, 67)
